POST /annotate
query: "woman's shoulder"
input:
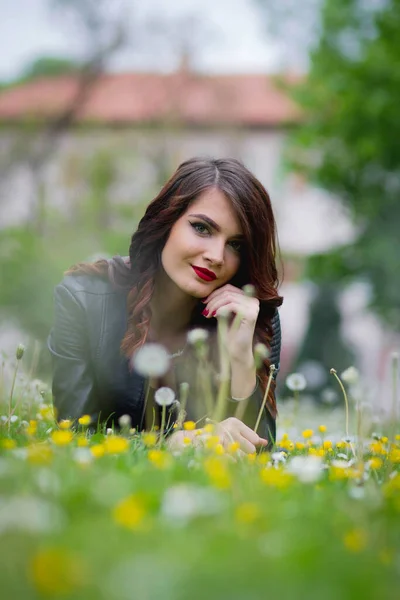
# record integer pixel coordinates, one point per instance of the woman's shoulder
(87, 284)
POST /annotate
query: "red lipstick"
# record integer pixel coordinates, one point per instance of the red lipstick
(204, 274)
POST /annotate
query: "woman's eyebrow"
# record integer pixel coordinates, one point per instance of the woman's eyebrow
(213, 224)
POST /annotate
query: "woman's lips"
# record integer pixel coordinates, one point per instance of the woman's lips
(205, 276)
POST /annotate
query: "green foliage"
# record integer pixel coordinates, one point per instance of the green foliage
(34, 256)
(348, 143)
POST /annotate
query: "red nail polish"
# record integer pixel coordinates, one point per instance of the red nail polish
(205, 312)
(214, 312)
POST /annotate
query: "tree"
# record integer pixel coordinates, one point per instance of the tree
(348, 141)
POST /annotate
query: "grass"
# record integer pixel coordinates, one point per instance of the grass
(117, 517)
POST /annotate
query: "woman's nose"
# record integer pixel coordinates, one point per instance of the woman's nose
(215, 254)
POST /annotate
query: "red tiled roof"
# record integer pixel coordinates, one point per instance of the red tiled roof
(129, 98)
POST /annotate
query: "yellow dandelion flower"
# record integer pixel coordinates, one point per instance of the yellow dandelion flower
(82, 441)
(300, 446)
(378, 448)
(55, 571)
(61, 437)
(276, 477)
(263, 458)
(31, 429)
(209, 428)
(307, 433)
(159, 458)
(39, 454)
(397, 437)
(247, 512)
(199, 432)
(115, 444)
(375, 462)
(355, 540)
(97, 450)
(212, 441)
(8, 444)
(340, 445)
(285, 437)
(187, 440)
(65, 424)
(149, 439)
(85, 420)
(394, 455)
(219, 449)
(251, 457)
(130, 512)
(189, 425)
(327, 444)
(384, 439)
(217, 471)
(322, 428)
(286, 444)
(233, 447)
(47, 413)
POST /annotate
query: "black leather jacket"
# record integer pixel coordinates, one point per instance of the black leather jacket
(90, 374)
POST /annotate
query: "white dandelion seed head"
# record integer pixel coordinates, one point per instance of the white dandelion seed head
(164, 396)
(109, 431)
(350, 376)
(151, 360)
(13, 418)
(125, 421)
(197, 336)
(183, 502)
(307, 469)
(296, 382)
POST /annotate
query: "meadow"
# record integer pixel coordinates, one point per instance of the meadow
(116, 515)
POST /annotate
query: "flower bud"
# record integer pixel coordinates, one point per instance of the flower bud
(20, 351)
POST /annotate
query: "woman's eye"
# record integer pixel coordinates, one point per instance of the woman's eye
(200, 227)
(237, 246)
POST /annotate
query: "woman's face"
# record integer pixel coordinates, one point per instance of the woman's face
(208, 236)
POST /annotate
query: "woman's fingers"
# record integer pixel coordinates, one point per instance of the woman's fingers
(246, 446)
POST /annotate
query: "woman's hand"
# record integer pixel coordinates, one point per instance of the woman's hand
(233, 430)
(230, 430)
(240, 340)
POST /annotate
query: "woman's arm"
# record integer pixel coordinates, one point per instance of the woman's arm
(248, 411)
(73, 380)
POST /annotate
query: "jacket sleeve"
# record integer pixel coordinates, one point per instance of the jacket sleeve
(267, 427)
(73, 380)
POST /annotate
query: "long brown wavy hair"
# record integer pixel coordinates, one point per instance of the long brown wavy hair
(253, 207)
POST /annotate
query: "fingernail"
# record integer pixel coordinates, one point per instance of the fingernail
(205, 312)
(214, 312)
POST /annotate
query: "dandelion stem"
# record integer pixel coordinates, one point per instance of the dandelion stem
(395, 374)
(163, 415)
(10, 411)
(346, 402)
(271, 374)
(223, 390)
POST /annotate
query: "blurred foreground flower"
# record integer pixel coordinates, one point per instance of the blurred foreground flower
(350, 376)
(130, 512)
(183, 502)
(56, 571)
(151, 360)
(307, 469)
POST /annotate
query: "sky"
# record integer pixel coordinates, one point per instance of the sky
(227, 35)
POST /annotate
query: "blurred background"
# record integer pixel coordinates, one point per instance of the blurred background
(101, 100)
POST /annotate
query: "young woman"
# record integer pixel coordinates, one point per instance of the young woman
(208, 233)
